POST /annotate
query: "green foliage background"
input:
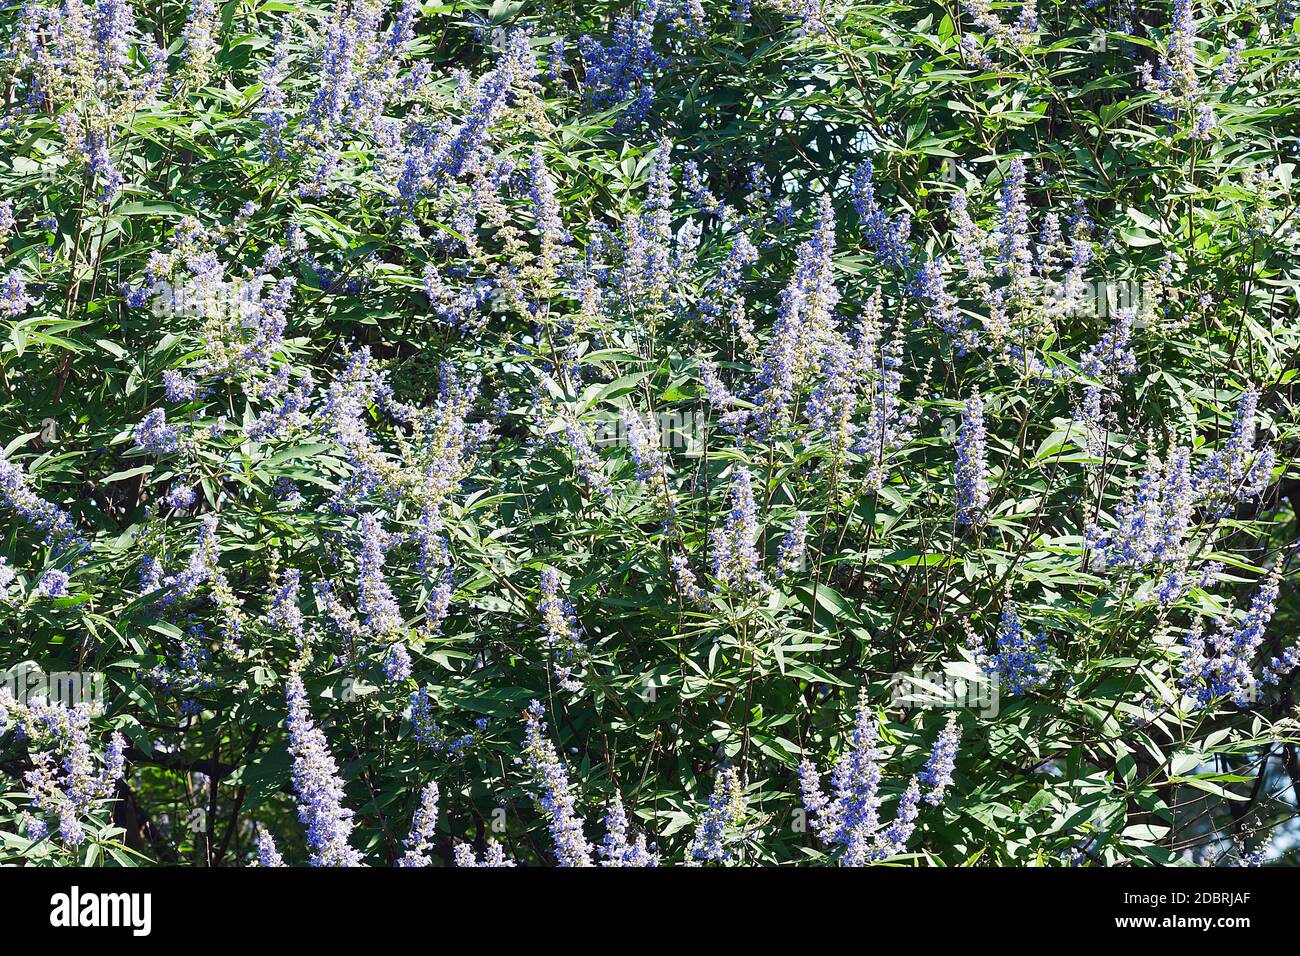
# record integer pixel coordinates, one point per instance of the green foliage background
(1106, 759)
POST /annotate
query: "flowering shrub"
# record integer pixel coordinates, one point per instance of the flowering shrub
(672, 434)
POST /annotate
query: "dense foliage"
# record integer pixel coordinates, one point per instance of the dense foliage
(791, 432)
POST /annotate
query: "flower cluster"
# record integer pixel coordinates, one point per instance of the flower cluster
(555, 793)
(972, 463)
(714, 834)
(736, 562)
(1015, 658)
(317, 783)
(561, 634)
(1223, 664)
(68, 781)
(850, 816)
